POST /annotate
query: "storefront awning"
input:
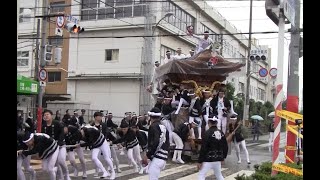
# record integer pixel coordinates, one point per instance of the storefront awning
(26, 85)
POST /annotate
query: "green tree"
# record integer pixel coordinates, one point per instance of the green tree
(258, 107)
(230, 91)
(238, 103)
(266, 109)
(252, 108)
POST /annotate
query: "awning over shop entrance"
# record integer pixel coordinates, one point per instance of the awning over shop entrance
(26, 85)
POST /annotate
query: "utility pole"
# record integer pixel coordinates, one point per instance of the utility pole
(274, 10)
(147, 60)
(37, 59)
(293, 79)
(247, 92)
(42, 62)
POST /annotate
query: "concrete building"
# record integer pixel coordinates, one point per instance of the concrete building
(56, 83)
(25, 47)
(108, 71)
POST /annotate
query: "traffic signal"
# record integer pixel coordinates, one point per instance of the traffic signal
(57, 55)
(257, 55)
(73, 28)
(48, 53)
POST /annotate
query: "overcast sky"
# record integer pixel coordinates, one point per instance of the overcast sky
(237, 12)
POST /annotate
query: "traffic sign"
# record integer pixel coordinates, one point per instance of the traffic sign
(273, 72)
(263, 72)
(60, 21)
(58, 32)
(289, 10)
(42, 83)
(43, 74)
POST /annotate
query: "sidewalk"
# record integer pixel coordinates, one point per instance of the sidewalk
(265, 137)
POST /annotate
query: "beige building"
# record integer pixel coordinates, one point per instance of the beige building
(56, 88)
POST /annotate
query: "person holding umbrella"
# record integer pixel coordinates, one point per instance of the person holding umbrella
(256, 127)
(256, 130)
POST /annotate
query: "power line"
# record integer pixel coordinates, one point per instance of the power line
(164, 22)
(137, 36)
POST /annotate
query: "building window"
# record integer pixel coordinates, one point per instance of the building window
(112, 55)
(54, 76)
(181, 19)
(57, 7)
(261, 94)
(56, 41)
(22, 58)
(163, 50)
(241, 87)
(25, 15)
(110, 9)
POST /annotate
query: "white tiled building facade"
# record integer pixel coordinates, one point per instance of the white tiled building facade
(27, 29)
(107, 71)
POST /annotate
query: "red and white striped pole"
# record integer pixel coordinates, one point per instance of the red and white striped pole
(279, 92)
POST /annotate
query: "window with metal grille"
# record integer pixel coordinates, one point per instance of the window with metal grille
(22, 58)
(181, 19)
(110, 9)
(55, 41)
(54, 76)
(57, 7)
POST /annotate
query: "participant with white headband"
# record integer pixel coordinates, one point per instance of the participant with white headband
(46, 147)
(97, 143)
(214, 149)
(235, 128)
(158, 145)
(23, 160)
(204, 41)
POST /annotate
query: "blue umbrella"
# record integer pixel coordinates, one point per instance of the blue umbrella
(257, 117)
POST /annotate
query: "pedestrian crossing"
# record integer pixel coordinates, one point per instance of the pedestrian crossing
(168, 172)
(195, 175)
(171, 171)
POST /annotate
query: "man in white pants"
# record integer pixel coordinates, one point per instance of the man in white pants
(214, 149)
(178, 149)
(23, 160)
(54, 129)
(158, 145)
(205, 105)
(195, 113)
(154, 85)
(235, 127)
(271, 134)
(97, 143)
(73, 137)
(129, 138)
(221, 107)
(46, 147)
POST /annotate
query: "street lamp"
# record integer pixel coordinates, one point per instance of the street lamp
(168, 14)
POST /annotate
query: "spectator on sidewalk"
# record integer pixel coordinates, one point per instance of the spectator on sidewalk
(271, 134)
(58, 116)
(256, 131)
